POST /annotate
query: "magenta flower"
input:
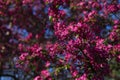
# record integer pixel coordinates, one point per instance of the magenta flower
(23, 56)
(83, 77)
(38, 78)
(45, 73)
(47, 64)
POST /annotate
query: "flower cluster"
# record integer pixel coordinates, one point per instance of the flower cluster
(66, 39)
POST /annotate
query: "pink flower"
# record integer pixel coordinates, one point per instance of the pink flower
(26, 1)
(118, 58)
(38, 78)
(83, 77)
(92, 13)
(74, 74)
(68, 56)
(112, 8)
(45, 73)
(47, 64)
(96, 5)
(29, 36)
(23, 56)
(116, 22)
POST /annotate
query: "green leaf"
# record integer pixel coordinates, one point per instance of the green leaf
(50, 18)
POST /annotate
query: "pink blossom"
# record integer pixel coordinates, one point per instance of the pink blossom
(45, 73)
(83, 77)
(47, 64)
(112, 8)
(38, 78)
(23, 56)
(75, 73)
